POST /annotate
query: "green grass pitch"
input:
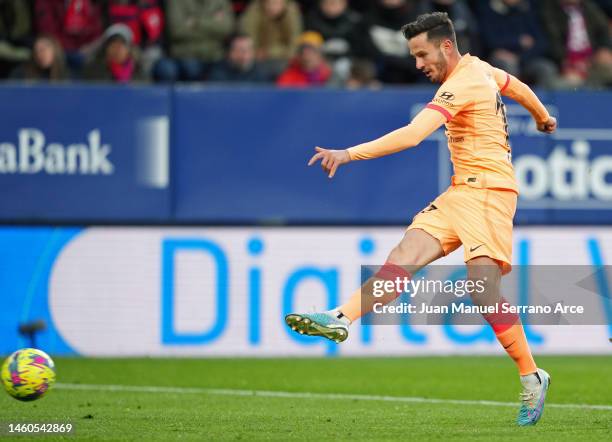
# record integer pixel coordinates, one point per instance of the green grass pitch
(191, 410)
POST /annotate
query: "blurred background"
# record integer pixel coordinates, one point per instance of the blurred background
(155, 194)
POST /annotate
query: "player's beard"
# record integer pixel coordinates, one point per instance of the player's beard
(440, 67)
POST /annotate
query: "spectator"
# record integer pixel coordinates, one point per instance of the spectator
(47, 62)
(606, 7)
(580, 42)
(464, 21)
(339, 26)
(240, 65)
(514, 42)
(362, 75)
(197, 30)
(15, 34)
(309, 67)
(117, 60)
(384, 43)
(146, 21)
(275, 27)
(74, 23)
(361, 6)
(308, 6)
(238, 6)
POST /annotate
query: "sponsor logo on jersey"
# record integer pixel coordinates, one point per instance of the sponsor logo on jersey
(445, 98)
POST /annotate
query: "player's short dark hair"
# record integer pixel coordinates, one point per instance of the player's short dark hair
(437, 25)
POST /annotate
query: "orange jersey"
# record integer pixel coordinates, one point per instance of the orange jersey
(476, 125)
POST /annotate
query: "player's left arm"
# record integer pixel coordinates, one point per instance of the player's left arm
(423, 125)
(512, 87)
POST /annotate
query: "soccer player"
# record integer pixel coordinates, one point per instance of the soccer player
(477, 209)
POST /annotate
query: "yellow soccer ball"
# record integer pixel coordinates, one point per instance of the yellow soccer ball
(28, 374)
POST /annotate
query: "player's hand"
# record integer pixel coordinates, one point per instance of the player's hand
(548, 126)
(330, 159)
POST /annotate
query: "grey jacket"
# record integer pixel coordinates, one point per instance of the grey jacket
(198, 28)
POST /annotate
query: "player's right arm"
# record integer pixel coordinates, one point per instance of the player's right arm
(512, 87)
(423, 125)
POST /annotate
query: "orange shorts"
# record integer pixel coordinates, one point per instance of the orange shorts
(478, 218)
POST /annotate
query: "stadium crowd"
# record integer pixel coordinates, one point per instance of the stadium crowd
(557, 44)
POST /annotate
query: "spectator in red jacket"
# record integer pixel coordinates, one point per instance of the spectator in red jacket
(146, 20)
(117, 60)
(308, 67)
(75, 24)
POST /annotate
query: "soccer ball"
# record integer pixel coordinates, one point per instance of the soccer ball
(28, 374)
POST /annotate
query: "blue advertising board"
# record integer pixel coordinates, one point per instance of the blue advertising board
(565, 178)
(84, 153)
(238, 156)
(245, 163)
(217, 291)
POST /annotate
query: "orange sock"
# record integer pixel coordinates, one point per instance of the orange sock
(511, 335)
(358, 305)
(515, 343)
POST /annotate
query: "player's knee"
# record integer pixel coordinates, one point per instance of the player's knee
(485, 268)
(417, 248)
(403, 254)
(486, 277)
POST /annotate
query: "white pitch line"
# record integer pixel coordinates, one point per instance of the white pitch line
(294, 395)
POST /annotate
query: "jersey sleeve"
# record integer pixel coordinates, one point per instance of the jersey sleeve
(423, 125)
(512, 87)
(450, 99)
(502, 78)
